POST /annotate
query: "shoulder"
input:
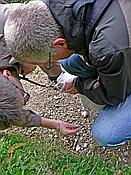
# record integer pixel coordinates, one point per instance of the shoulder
(111, 33)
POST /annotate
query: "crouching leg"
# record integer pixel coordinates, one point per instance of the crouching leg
(112, 126)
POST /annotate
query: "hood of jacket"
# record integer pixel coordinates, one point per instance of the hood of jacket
(72, 28)
(78, 19)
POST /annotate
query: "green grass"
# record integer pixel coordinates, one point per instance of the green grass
(21, 157)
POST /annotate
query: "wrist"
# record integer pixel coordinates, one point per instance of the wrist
(50, 123)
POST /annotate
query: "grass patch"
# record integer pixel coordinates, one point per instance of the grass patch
(18, 156)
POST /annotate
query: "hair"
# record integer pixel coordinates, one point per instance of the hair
(30, 30)
(10, 109)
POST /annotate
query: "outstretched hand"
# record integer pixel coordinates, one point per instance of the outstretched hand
(67, 129)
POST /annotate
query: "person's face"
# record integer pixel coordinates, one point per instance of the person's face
(49, 61)
(58, 51)
(17, 85)
(50, 67)
(53, 70)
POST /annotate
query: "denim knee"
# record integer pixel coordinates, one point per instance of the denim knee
(99, 135)
(107, 136)
(112, 126)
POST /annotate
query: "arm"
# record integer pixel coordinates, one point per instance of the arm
(27, 118)
(114, 81)
(112, 84)
(64, 128)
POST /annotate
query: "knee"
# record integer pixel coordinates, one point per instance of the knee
(100, 136)
(106, 136)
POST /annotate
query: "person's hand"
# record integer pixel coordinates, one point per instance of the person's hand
(67, 129)
(64, 128)
(68, 87)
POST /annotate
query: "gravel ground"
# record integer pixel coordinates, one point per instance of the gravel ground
(53, 104)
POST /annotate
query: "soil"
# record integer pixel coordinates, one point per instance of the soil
(51, 103)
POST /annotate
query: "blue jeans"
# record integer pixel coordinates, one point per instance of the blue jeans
(112, 126)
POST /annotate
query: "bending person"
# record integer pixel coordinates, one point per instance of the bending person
(12, 95)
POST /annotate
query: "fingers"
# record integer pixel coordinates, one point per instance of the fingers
(69, 89)
(69, 132)
(72, 90)
(67, 85)
(72, 126)
(70, 129)
(63, 88)
(67, 129)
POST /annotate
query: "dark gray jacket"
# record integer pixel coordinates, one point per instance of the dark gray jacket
(109, 50)
(26, 117)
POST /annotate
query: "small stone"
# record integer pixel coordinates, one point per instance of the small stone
(55, 136)
(85, 114)
(85, 145)
(126, 153)
(78, 148)
(33, 129)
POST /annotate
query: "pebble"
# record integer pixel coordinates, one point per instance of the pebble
(85, 114)
(78, 148)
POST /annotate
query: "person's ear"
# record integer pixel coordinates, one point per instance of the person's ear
(6, 73)
(59, 42)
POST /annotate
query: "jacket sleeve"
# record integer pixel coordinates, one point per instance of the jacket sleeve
(26, 118)
(114, 81)
(21, 118)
